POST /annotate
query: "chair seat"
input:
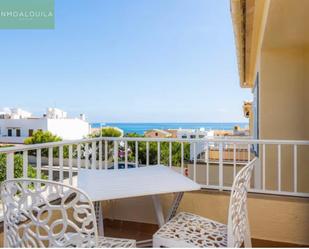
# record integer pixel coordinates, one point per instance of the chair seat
(190, 230)
(108, 242)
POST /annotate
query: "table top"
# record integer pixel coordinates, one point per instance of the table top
(103, 185)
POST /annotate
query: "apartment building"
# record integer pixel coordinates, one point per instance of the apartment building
(16, 125)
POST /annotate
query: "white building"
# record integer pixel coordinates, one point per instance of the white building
(16, 125)
(192, 133)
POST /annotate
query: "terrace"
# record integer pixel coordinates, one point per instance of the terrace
(278, 194)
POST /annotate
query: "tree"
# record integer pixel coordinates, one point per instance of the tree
(153, 152)
(40, 137)
(18, 168)
(107, 132)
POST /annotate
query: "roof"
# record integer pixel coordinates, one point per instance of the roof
(249, 22)
(160, 131)
(238, 18)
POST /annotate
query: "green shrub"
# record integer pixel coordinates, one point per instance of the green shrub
(107, 132)
(18, 168)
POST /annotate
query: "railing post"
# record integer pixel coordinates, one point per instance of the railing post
(100, 154)
(50, 163)
(279, 167)
(295, 168)
(264, 166)
(159, 153)
(207, 163)
(93, 155)
(116, 154)
(70, 165)
(234, 161)
(38, 163)
(221, 165)
(9, 165)
(105, 154)
(257, 174)
(147, 153)
(61, 163)
(182, 158)
(86, 156)
(25, 164)
(126, 154)
(170, 154)
(78, 157)
(136, 154)
(194, 161)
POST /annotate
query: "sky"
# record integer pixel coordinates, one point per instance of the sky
(127, 61)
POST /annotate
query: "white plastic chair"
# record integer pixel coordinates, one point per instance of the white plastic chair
(40, 213)
(190, 230)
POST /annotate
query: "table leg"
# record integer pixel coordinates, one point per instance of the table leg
(99, 217)
(173, 209)
(158, 209)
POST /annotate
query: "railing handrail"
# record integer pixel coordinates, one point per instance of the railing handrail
(146, 139)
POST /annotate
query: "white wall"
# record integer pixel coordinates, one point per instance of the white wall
(68, 128)
(23, 124)
(189, 132)
(65, 128)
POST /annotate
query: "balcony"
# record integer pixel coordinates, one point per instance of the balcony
(278, 195)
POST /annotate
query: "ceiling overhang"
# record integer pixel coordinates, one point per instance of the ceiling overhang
(249, 19)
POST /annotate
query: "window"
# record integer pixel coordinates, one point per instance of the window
(17, 132)
(184, 136)
(30, 133)
(192, 136)
(9, 132)
(157, 134)
(201, 136)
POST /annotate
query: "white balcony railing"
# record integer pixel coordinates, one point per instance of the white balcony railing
(282, 165)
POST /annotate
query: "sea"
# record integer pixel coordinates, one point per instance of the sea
(140, 128)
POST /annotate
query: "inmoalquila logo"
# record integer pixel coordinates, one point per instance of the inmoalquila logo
(27, 14)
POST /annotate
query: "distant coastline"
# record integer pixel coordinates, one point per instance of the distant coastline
(140, 128)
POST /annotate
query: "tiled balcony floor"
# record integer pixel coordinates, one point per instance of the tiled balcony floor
(142, 231)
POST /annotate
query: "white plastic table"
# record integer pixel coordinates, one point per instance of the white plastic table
(103, 185)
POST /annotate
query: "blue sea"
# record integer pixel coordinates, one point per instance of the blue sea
(140, 128)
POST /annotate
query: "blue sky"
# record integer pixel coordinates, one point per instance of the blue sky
(127, 61)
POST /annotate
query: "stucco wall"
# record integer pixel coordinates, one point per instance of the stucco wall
(68, 128)
(23, 124)
(271, 218)
(284, 111)
(283, 98)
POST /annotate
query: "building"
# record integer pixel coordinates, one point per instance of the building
(191, 133)
(173, 132)
(237, 131)
(273, 60)
(157, 133)
(272, 42)
(16, 125)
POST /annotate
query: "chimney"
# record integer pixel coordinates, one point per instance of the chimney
(82, 116)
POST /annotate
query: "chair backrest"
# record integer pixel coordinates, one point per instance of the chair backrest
(40, 213)
(238, 224)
